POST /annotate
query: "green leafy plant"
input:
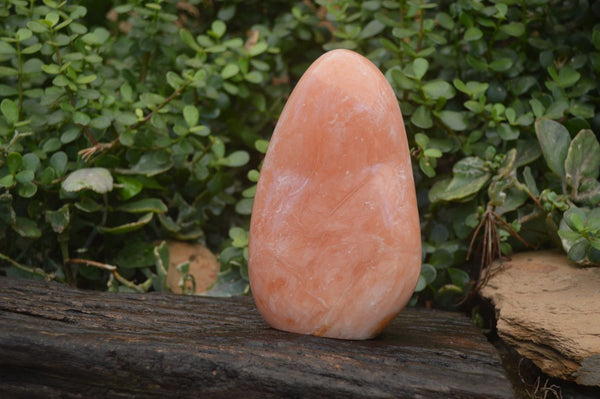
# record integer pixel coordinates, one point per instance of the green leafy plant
(577, 163)
(115, 137)
(152, 123)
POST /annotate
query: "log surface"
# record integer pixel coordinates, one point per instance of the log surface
(57, 341)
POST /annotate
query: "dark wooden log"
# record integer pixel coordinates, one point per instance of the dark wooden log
(56, 341)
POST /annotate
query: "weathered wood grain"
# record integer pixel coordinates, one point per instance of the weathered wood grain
(56, 341)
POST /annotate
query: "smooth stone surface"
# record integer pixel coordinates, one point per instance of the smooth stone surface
(547, 309)
(335, 245)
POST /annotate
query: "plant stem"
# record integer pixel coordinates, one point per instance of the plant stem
(20, 79)
(113, 270)
(37, 271)
(173, 95)
(421, 27)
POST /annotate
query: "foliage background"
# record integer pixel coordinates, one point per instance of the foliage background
(163, 109)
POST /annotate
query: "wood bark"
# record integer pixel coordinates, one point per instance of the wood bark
(56, 341)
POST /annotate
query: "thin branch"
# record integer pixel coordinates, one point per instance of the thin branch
(37, 271)
(173, 95)
(113, 270)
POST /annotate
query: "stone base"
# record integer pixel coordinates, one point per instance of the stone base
(548, 309)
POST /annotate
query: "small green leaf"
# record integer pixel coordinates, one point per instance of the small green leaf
(459, 277)
(96, 38)
(81, 119)
(261, 146)
(554, 140)
(151, 100)
(501, 64)
(27, 228)
(59, 219)
(537, 107)
(239, 237)
(174, 80)
(236, 159)
(162, 260)
(258, 48)
(14, 160)
(507, 132)
(24, 176)
(556, 110)
(85, 79)
(441, 259)
(144, 205)
(583, 158)
(126, 118)
(200, 130)
(27, 189)
(135, 254)
(569, 235)
(453, 119)
(249, 192)
(421, 284)
(576, 221)
(126, 92)
(445, 20)
(70, 135)
(577, 252)
(230, 71)
(10, 110)
(470, 175)
(422, 140)
(101, 122)
(433, 153)
(7, 181)
(472, 34)
(128, 227)
(515, 29)
(244, 206)
(31, 161)
(150, 164)
(596, 38)
(373, 28)
(37, 26)
(428, 272)
(47, 175)
(130, 186)
(420, 66)
(254, 77)
(23, 34)
(6, 49)
(188, 39)
(425, 164)
(218, 27)
(88, 205)
(51, 145)
(96, 179)
(530, 181)
(436, 89)
(191, 115)
(7, 71)
(566, 77)
(422, 117)
(51, 69)
(52, 18)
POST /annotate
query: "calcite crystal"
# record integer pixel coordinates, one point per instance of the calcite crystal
(335, 245)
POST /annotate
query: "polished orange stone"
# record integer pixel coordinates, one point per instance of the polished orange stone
(335, 244)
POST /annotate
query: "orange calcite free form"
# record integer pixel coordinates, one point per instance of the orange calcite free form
(335, 244)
